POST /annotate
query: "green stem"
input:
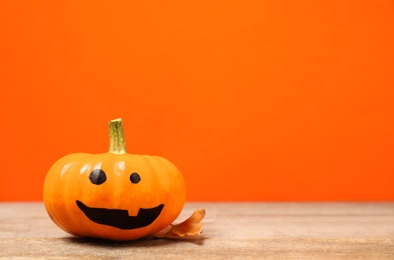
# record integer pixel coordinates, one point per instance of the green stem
(117, 143)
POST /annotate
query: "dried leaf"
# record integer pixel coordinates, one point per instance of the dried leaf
(190, 227)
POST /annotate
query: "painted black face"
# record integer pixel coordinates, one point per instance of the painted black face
(118, 218)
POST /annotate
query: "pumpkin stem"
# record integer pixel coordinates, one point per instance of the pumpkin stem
(117, 143)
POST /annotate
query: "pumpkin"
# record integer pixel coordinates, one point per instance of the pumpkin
(114, 195)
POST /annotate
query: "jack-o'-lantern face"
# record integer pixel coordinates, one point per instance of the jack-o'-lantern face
(118, 218)
(115, 196)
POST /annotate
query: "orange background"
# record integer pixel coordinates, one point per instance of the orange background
(252, 100)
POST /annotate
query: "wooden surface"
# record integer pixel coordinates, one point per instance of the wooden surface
(231, 231)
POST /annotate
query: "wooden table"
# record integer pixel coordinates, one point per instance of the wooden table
(231, 231)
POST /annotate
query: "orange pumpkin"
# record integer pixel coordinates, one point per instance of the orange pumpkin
(113, 195)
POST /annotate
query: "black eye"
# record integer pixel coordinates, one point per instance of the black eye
(97, 176)
(135, 177)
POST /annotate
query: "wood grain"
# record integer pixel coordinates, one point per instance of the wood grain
(231, 231)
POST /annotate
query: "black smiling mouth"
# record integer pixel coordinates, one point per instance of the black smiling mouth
(120, 218)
